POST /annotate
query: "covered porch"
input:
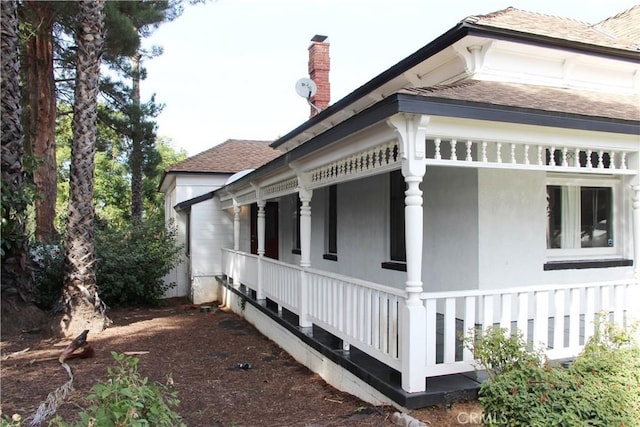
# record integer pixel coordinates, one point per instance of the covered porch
(413, 334)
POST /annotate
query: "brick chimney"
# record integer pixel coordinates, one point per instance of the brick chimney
(319, 65)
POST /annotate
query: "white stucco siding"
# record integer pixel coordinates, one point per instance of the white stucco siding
(362, 223)
(450, 201)
(512, 227)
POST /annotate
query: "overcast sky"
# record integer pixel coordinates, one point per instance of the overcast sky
(229, 67)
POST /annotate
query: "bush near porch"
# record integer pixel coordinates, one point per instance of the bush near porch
(600, 388)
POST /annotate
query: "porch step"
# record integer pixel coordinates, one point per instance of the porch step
(445, 389)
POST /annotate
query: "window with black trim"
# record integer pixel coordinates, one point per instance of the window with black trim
(584, 224)
(579, 217)
(296, 227)
(397, 244)
(331, 227)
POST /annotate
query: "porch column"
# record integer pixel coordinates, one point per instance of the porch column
(261, 222)
(305, 253)
(236, 242)
(261, 239)
(635, 219)
(236, 226)
(411, 131)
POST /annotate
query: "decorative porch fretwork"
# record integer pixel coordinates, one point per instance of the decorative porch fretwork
(280, 188)
(375, 159)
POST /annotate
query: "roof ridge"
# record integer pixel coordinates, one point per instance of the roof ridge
(617, 15)
(475, 18)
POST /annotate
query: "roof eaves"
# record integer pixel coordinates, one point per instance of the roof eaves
(435, 46)
(416, 104)
(544, 40)
(502, 113)
(188, 203)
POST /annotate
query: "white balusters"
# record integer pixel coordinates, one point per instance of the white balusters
(518, 155)
(600, 159)
(612, 160)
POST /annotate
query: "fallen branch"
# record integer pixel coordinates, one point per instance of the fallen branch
(58, 396)
(135, 353)
(15, 353)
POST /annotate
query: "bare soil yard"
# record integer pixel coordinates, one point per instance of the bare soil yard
(201, 351)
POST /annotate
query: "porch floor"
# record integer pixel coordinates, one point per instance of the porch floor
(445, 389)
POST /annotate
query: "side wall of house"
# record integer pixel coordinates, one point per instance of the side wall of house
(512, 234)
(210, 229)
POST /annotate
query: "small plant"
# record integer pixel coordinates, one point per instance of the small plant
(127, 399)
(13, 421)
(600, 388)
(498, 351)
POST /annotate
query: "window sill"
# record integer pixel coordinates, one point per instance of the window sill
(582, 264)
(394, 265)
(330, 257)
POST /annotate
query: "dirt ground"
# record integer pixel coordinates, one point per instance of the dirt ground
(201, 351)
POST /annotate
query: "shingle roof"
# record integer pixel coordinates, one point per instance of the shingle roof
(231, 156)
(625, 25)
(571, 101)
(620, 31)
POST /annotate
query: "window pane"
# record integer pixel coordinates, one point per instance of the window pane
(396, 216)
(554, 216)
(332, 238)
(595, 217)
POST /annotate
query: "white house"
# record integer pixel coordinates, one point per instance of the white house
(202, 228)
(492, 177)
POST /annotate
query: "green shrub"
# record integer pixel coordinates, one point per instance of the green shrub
(49, 260)
(133, 262)
(127, 399)
(600, 388)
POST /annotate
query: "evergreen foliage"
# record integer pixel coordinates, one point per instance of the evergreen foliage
(600, 388)
(132, 263)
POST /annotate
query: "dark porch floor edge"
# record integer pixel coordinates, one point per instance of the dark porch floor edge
(444, 389)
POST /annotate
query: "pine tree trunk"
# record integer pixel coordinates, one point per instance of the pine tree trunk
(42, 114)
(83, 307)
(135, 159)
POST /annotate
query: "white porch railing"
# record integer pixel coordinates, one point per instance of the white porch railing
(558, 318)
(366, 315)
(360, 313)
